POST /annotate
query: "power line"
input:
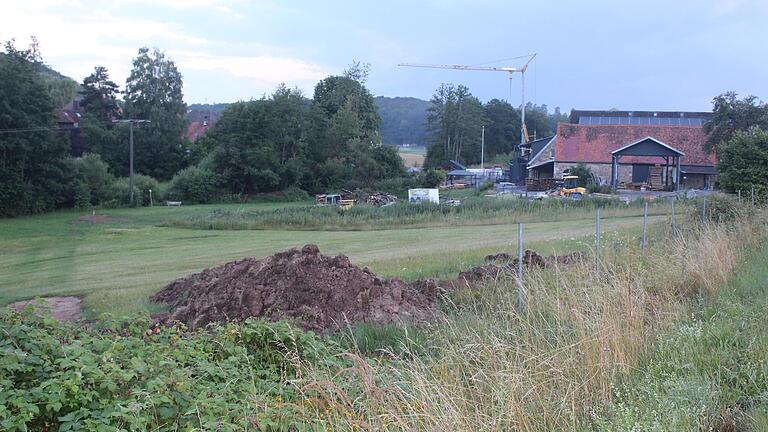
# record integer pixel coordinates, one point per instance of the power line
(37, 129)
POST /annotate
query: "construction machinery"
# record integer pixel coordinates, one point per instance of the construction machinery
(508, 70)
(571, 188)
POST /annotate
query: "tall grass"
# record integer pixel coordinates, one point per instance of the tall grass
(558, 363)
(473, 211)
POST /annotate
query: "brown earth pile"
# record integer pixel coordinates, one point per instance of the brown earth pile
(317, 291)
(503, 264)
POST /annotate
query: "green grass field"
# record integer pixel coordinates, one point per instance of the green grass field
(116, 265)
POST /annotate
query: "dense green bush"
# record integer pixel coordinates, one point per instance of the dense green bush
(120, 376)
(433, 178)
(142, 184)
(87, 181)
(195, 184)
(720, 208)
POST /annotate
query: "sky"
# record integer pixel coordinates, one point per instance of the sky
(633, 55)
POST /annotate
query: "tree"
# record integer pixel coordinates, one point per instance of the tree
(455, 121)
(731, 115)
(259, 146)
(502, 133)
(31, 156)
(100, 95)
(743, 161)
(153, 92)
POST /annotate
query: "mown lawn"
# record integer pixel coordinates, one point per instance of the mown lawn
(116, 265)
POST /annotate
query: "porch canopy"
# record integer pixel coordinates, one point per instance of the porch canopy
(648, 147)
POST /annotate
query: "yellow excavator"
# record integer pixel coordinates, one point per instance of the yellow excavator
(571, 188)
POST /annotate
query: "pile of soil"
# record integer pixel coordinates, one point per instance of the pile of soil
(503, 264)
(317, 291)
(61, 308)
(533, 259)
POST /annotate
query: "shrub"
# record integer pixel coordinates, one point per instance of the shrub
(194, 184)
(87, 181)
(120, 376)
(118, 191)
(598, 188)
(433, 178)
(583, 173)
(719, 208)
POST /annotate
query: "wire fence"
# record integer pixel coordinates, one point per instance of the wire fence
(673, 224)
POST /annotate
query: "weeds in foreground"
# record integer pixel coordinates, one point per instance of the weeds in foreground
(558, 364)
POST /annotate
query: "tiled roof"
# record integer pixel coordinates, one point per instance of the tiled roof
(594, 143)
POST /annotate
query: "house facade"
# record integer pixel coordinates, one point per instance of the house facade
(663, 150)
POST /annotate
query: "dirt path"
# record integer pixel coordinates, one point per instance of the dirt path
(61, 308)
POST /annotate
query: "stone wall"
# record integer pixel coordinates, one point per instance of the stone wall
(601, 170)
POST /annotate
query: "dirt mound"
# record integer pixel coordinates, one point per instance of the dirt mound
(318, 291)
(532, 259)
(505, 265)
(60, 308)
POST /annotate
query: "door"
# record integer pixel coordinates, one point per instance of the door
(640, 173)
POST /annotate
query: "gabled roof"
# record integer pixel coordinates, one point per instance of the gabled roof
(539, 147)
(596, 143)
(627, 148)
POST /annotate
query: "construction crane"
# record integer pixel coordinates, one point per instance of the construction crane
(509, 70)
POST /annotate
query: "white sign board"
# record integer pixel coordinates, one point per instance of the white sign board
(424, 195)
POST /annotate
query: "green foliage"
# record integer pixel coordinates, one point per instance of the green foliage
(583, 173)
(108, 140)
(194, 184)
(743, 162)
(731, 115)
(710, 373)
(372, 339)
(31, 161)
(473, 210)
(403, 120)
(258, 146)
(720, 208)
(433, 178)
(502, 132)
(153, 92)
(119, 191)
(100, 95)
(124, 376)
(455, 121)
(88, 181)
(456, 117)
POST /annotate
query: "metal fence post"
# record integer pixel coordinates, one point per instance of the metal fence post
(597, 242)
(520, 289)
(704, 210)
(753, 197)
(739, 196)
(645, 227)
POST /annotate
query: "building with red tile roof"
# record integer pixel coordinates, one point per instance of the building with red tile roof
(622, 148)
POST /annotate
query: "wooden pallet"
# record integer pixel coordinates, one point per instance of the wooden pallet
(655, 179)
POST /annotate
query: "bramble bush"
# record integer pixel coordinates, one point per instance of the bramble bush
(122, 376)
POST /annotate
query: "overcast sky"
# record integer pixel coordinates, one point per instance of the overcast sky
(655, 55)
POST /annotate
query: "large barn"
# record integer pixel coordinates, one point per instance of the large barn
(663, 150)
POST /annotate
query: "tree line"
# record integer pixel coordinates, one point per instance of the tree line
(282, 141)
(456, 118)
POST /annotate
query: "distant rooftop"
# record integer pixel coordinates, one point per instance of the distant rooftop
(659, 118)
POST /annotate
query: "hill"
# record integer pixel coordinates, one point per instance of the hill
(63, 89)
(403, 120)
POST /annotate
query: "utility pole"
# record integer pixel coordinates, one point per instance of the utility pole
(130, 156)
(482, 150)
